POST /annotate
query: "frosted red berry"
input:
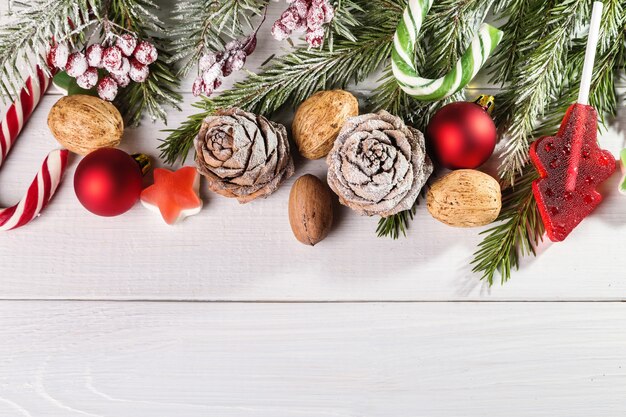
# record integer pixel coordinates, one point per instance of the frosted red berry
(107, 89)
(89, 79)
(58, 55)
(138, 71)
(76, 64)
(146, 53)
(112, 58)
(198, 87)
(206, 62)
(127, 44)
(124, 68)
(315, 38)
(122, 80)
(94, 55)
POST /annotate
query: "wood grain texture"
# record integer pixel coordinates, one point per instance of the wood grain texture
(71, 359)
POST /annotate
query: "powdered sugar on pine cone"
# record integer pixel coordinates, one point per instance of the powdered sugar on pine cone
(304, 15)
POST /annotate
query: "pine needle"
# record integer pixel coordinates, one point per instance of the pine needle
(160, 89)
(520, 228)
(292, 78)
(201, 26)
(519, 232)
(26, 38)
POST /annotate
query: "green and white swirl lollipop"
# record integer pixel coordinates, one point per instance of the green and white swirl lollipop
(403, 55)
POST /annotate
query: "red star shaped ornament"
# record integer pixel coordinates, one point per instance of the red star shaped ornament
(175, 195)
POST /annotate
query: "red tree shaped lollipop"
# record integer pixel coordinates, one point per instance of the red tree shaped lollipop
(571, 164)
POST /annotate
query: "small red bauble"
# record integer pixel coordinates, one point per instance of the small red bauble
(108, 181)
(462, 134)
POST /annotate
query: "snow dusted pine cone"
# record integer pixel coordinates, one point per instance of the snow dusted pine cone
(378, 165)
(242, 155)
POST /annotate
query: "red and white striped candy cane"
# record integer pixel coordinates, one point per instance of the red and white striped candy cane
(49, 176)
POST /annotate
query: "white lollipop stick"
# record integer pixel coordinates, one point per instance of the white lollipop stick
(590, 53)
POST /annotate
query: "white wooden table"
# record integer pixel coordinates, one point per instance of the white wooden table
(228, 315)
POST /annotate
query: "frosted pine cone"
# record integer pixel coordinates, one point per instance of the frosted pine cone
(378, 165)
(242, 155)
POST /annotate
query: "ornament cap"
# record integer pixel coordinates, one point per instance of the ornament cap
(145, 164)
(488, 103)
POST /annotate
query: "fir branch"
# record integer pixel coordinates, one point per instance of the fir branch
(515, 43)
(25, 40)
(537, 78)
(139, 16)
(344, 22)
(520, 231)
(293, 78)
(202, 26)
(392, 226)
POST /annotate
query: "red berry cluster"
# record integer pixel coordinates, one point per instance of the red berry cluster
(215, 66)
(128, 59)
(304, 15)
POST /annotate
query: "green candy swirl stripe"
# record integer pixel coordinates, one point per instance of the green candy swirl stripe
(402, 58)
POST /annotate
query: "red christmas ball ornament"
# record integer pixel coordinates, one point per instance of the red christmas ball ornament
(462, 134)
(108, 181)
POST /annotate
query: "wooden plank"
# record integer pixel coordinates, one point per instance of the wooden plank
(71, 359)
(247, 252)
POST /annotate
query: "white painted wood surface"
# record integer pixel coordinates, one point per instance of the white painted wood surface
(310, 360)
(303, 331)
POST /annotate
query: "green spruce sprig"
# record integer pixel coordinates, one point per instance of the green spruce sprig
(519, 232)
(160, 89)
(292, 78)
(520, 229)
(535, 75)
(202, 26)
(26, 38)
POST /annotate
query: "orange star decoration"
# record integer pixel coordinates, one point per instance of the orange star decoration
(175, 195)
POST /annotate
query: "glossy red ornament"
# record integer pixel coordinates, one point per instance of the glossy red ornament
(462, 134)
(108, 181)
